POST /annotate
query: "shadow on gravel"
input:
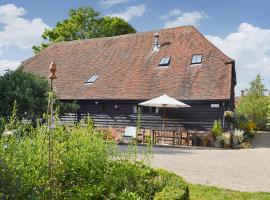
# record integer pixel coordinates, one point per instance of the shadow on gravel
(159, 150)
(170, 151)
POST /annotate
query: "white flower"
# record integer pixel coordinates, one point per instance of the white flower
(239, 134)
(8, 132)
(226, 138)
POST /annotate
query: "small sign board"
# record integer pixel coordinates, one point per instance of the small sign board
(214, 105)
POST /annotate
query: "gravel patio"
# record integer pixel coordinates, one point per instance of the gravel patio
(244, 169)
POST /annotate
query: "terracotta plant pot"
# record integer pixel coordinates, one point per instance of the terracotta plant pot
(205, 142)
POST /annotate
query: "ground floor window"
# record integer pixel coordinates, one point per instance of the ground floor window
(135, 109)
(150, 110)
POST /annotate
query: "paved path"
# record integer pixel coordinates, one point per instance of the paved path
(245, 169)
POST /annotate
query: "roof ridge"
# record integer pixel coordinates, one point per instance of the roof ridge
(53, 45)
(121, 36)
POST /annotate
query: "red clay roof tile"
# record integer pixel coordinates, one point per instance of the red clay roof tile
(128, 69)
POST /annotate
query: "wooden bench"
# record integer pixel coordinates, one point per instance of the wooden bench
(166, 135)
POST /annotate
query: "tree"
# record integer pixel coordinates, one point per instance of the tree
(255, 105)
(29, 93)
(27, 90)
(84, 23)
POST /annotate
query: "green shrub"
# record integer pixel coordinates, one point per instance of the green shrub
(2, 125)
(28, 90)
(245, 124)
(217, 128)
(171, 193)
(85, 167)
(255, 105)
(129, 195)
(170, 186)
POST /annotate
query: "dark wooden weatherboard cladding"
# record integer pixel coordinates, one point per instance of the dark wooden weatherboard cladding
(199, 116)
(127, 71)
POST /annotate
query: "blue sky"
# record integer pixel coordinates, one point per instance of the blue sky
(240, 28)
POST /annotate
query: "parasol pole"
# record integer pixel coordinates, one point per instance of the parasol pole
(164, 116)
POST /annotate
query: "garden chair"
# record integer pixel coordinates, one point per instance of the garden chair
(184, 137)
(129, 134)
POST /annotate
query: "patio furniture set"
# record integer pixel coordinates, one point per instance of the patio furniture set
(182, 137)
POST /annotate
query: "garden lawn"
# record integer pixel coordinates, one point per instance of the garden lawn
(200, 192)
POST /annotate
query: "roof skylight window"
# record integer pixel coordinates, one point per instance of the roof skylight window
(165, 61)
(196, 59)
(92, 79)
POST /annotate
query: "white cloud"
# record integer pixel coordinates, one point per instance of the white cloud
(110, 3)
(182, 19)
(250, 47)
(172, 13)
(9, 11)
(8, 64)
(18, 31)
(130, 12)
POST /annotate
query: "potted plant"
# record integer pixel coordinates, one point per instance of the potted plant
(219, 141)
(228, 114)
(205, 141)
(227, 140)
(217, 129)
(196, 140)
(238, 137)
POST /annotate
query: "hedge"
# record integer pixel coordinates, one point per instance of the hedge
(172, 187)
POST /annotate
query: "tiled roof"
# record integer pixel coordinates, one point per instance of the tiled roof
(128, 69)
